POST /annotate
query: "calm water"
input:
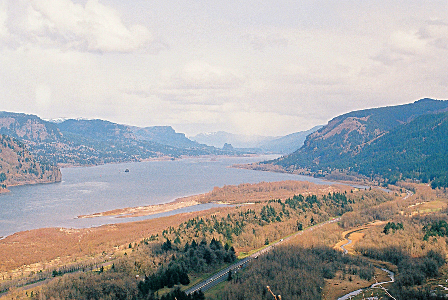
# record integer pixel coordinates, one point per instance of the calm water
(101, 188)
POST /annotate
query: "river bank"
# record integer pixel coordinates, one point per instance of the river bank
(236, 195)
(19, 249)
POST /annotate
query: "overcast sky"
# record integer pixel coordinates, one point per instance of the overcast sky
(256, 67)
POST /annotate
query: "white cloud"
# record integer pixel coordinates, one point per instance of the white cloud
(199, 82)
(436, 33)
(43, 96)
(252, 67)
(202, 75)
(61, 23)
(407, 43)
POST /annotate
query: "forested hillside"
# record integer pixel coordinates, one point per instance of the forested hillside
(414, 150)
(92, 142)
(385, 144)
(18, 166)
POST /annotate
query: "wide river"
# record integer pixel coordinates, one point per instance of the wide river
(101, 188)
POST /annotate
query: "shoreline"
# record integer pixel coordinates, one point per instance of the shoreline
(214, 196)
(141, 211)
(147, 210)
(352, 181)
(173, 204)
(69, 243)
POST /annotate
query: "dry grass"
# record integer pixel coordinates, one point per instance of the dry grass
(41, 249)
(230, 194)
(45, 248)
(355, 235)
(326, 235)
(337, 287)
(264, 191)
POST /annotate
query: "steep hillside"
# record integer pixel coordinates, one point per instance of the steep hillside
(350, 142)
(92, 142)
(18, 166)
(98, 130)
(418, 150)
(28, 128)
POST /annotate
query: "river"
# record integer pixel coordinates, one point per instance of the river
(106, 187)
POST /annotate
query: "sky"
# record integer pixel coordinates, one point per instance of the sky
(246, 67)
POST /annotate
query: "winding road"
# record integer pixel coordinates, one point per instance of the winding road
(223, 274)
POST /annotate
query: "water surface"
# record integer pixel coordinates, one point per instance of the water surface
(101, 188)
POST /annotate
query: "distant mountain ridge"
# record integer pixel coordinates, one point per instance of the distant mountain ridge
(29, 128)
(166, 135)
(289, 143)
(91, 142)
(219, 138)
(349, 143)
(263, 144)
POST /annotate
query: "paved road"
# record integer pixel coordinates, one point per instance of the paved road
(223, 275)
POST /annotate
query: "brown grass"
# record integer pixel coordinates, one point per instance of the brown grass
(48, 247)
(230, 194)
(355, 234)
(44, 248)
(264, 191)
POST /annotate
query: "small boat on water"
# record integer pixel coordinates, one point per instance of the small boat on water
(126, 171)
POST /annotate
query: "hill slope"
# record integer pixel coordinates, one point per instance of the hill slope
(18, 166)
(364, 142)
(91, 142)
(418, 150)
(166, 135)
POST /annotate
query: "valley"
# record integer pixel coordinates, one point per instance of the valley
(223, 150)
(64, 250)
(386, 213)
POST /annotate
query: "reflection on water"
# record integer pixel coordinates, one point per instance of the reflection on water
(101, 188)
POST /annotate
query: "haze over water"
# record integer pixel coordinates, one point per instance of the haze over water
(106, 187)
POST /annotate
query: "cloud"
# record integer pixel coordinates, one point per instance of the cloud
(436, 33)
(420, 44)
(93, 27)
(199, 82)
